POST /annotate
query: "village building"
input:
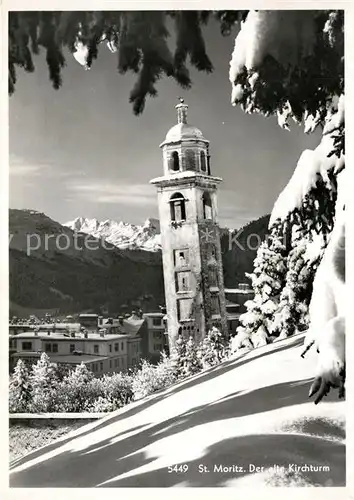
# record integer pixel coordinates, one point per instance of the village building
(103, 348)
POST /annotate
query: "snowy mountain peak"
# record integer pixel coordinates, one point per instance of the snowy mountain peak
(81, 222)
(121, 234)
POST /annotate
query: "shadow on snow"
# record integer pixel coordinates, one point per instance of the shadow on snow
(105, 460)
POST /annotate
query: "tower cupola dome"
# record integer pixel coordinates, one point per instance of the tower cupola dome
(183, 131)
(185, 149)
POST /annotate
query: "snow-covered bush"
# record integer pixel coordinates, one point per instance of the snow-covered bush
(241, 341)
(77, 391)
(107, 393)
(101, 405)
(117, 388)
(260, 337)
(151, 378)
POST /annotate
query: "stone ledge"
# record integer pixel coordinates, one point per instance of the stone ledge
(57, 416)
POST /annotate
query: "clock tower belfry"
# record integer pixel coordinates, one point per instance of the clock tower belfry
(191, 251)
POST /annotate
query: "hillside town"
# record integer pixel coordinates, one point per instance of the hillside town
(104, 344)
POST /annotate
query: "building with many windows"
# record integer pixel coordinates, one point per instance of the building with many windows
(187, 200)
(100, 353)
(112, 348)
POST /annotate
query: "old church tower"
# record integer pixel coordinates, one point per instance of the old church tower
(191, 252)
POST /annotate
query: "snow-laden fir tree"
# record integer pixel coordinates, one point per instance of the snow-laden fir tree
(268, 280)
(212, 349)
(138, 39)
(43, 380)
(291, 64)
(192, 363)
(178, 356)
(19, 389)
(292, 314)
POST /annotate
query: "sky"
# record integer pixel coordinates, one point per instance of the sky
(80, 151)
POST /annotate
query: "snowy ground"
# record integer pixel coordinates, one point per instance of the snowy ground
(249, 412)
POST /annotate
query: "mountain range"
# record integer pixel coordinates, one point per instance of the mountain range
(54, 268)
(92, 266)
(121, 234)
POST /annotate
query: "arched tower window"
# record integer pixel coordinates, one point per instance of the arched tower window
(178, 207)
(190, 157)
(203, 163)
(173, 163)
(207, 206)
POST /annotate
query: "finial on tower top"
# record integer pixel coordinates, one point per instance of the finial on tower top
(182, 108)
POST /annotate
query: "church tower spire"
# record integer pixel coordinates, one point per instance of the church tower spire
(191, 250)
(182, 110)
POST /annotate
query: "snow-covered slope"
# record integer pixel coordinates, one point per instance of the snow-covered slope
(251, 411)
(121, 234)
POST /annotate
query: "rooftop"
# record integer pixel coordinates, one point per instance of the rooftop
(132, 326)
(61, 336)
(45, 326)
(183, 132)
(74, 359)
